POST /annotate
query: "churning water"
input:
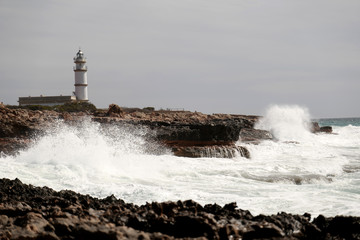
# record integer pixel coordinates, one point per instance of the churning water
(299, 172)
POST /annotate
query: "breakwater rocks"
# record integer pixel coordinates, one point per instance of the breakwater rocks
(28, 212)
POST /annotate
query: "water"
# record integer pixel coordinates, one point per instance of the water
(299, 172)
(340, 122)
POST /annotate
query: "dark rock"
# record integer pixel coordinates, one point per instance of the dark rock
(188, 134)
(114, 111)
(211, 151)
(17, 123)
(202, 135)
(321, 222)
(326, 129)
(10, 146)
(254, 135)
(263, 231)
(17, 126)
(194, 226)
(28, 212)
(344, 227)
(244, 152)
(225, 131)
(314, 127)
(230, 206)
(66, 116)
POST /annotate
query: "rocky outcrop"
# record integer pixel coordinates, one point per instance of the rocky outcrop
(211, 151)
(254, 135)
(315, 128)
(114, 111)
(212, 131)
(10, 146)
(326, 129)
(17, 126)
(28, 212)
(210, 138)
(22, 123)
(188, 134)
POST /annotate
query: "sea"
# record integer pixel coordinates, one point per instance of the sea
(297, 172)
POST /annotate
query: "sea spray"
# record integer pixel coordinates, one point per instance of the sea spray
(286, 123)
(300, 156)
(77, 156)
(319, 175)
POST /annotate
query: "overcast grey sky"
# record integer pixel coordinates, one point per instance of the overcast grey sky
(228, 56)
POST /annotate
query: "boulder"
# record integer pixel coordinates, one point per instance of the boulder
(326, 129)
(114, 111)
(66, 116)
(315, 128)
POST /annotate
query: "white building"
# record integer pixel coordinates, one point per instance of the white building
(80, 70)
(81, 94)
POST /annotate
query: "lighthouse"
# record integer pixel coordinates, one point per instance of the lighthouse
(80, 77)
(81, 94)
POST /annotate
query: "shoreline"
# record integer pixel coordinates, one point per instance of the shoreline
(186, 134)
(40, 212)
(32, 212)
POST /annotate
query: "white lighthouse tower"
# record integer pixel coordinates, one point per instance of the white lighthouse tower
(80, 77)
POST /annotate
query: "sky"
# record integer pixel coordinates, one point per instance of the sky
(211, 56)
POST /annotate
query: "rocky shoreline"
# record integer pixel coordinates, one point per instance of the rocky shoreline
(186, 134)
(29, 212)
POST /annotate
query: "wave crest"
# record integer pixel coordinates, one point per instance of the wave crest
(286, 122)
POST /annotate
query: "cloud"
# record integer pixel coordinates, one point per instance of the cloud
(210, 56)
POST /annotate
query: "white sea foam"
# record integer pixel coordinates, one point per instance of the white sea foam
(286, 123)
(316, 173)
